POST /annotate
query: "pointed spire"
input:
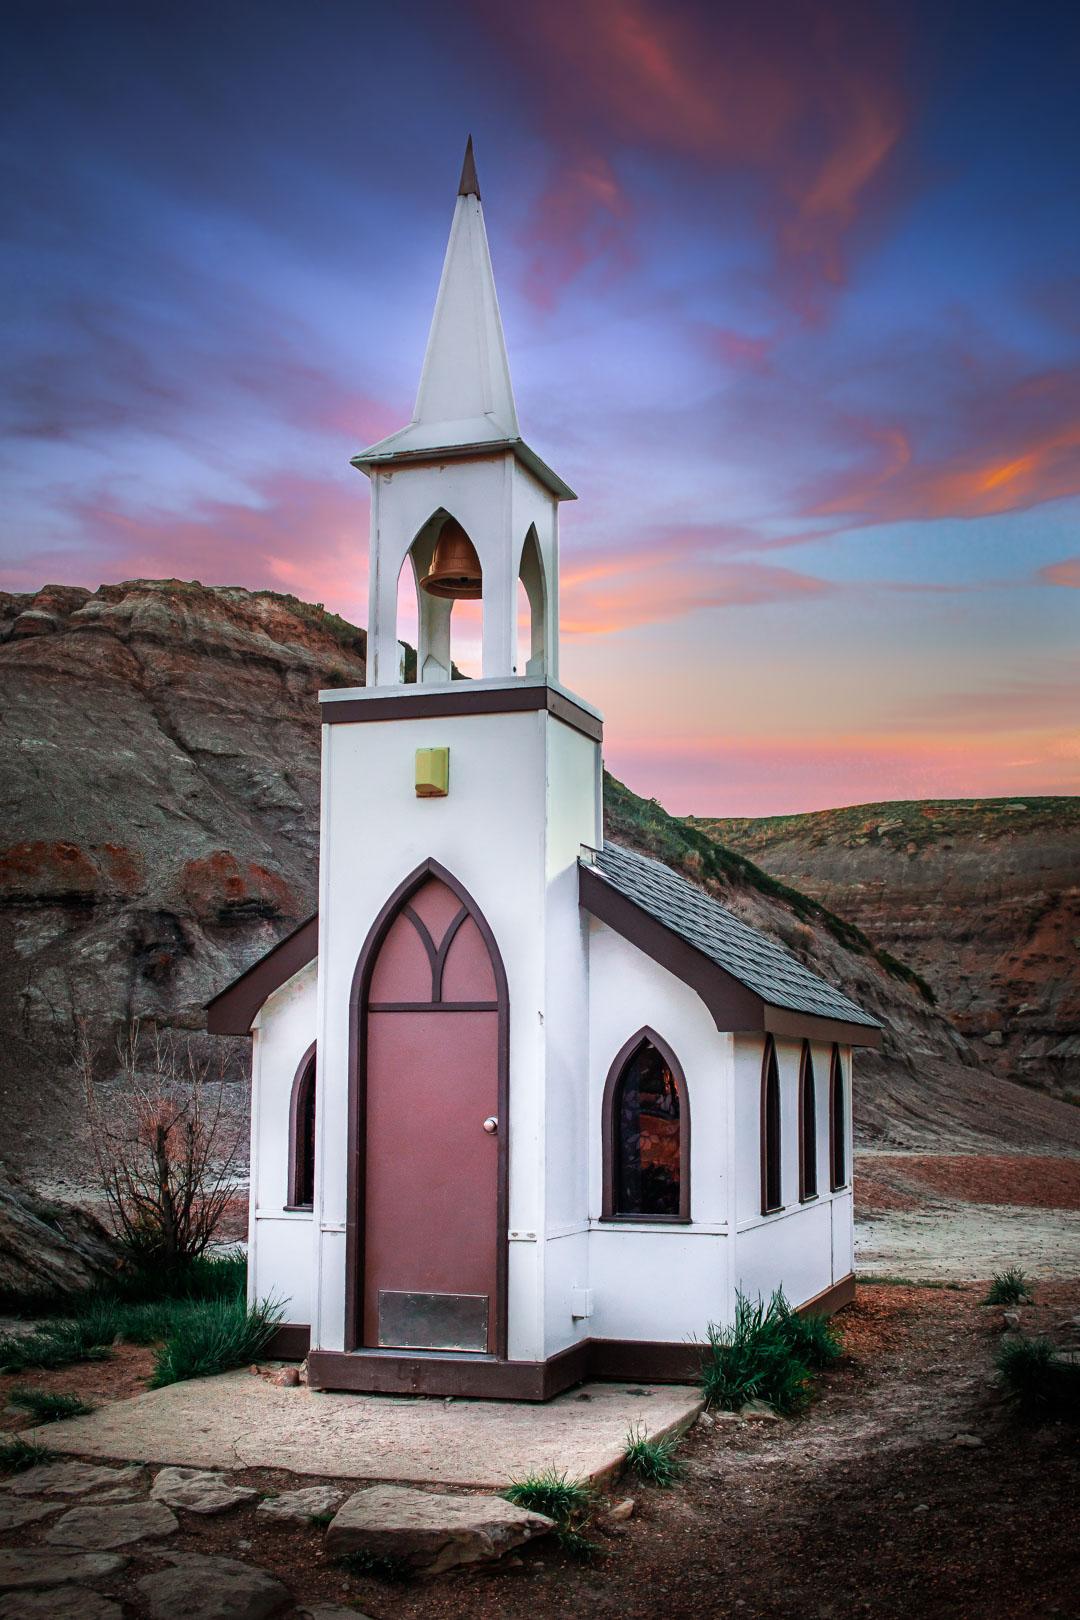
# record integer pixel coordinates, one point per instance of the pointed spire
(468, 185)
(465, 392)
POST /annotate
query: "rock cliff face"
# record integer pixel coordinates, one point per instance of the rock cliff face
(981, 896)
(159, 811)
(159, 832)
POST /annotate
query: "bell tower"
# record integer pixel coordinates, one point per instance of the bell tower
(458, 493)
(463, 804)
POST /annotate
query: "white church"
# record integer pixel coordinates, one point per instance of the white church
(527, 1107)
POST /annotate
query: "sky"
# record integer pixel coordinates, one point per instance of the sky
(792, 298)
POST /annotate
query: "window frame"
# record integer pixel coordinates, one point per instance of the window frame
(771, 1146)
(808, 1125)
(838, 1138)
(609, 1125)
(305, 1078)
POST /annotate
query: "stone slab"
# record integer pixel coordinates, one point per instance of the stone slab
(236, 1421)
(199, 1490)
(14, 1514)
(35, 1566)
(73, 1478)
(429, 1531)
(100, 1529)
(59, 1603)
(208, 1588)
(300, 1507)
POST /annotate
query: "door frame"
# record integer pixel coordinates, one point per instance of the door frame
(357, 1131)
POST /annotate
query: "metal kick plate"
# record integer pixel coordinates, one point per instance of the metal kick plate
(432, 1321)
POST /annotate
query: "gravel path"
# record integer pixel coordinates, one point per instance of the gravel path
(949, 1240)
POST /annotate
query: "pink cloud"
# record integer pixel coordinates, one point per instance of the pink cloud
(298, 535)
(808, 103)
(1065, 573)
(605, 592)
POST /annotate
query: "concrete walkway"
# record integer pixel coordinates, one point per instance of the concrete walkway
(240, 1421)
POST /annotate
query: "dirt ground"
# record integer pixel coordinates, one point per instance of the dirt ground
(865, 1504)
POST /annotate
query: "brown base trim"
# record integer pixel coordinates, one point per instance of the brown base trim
(461, 697)
(291, 1342)
(830, 1299)
(648, 1361)
(623, 1360)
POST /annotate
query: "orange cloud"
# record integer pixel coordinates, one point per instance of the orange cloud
(1065, 573)
(1027, 451)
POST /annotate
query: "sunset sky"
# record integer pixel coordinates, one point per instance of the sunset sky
(792, 298)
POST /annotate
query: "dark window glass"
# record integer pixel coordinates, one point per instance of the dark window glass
(838, 1124)
(647, 1141)
(304, 1169)
(770, 1123)
(808, 1126)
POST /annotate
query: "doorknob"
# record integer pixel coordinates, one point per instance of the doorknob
(491, 1124)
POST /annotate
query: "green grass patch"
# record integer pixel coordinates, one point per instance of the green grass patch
(54, 1344)
(16, 1456)
(567, 1501)
(48, 1407)
(1009, 1287)
(1043, 1385)
(654, 1461)
(213, 1336)
(769, 1353)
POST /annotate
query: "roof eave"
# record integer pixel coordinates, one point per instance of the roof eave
(375, 457)
(233, 1010)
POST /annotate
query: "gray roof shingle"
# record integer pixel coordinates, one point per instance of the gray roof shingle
(750, 957)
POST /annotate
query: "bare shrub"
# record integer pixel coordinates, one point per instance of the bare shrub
(166, 1141)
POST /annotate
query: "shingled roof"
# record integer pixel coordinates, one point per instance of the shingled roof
(777, 982)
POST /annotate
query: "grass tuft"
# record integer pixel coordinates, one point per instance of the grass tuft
(814, 1339)
(1043, 1385)
(213, 1336)
(767, 1354)
(1009, 1287)
(16, 1456)
(54, 1344)
(654, 1461)
(567, 1501)
(48, 1407)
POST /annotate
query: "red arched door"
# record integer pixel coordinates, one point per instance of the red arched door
(433, 1021)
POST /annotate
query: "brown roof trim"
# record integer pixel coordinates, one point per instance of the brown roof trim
(233, 1010)
(782, 1021)
(733, 1006)
(462, 697)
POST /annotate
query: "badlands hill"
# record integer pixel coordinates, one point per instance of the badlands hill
(159, 831)
(982, 897)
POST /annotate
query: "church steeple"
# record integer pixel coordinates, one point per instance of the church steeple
(460, 475)
(465, 394)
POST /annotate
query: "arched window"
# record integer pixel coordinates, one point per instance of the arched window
(646, 1134)
(807, 1126)
(771, 1187)
(302, 1135)
(837, 1123)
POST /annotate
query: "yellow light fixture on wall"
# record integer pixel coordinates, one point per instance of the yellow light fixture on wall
(432, 773)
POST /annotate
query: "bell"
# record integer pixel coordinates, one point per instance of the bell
(455, 568)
